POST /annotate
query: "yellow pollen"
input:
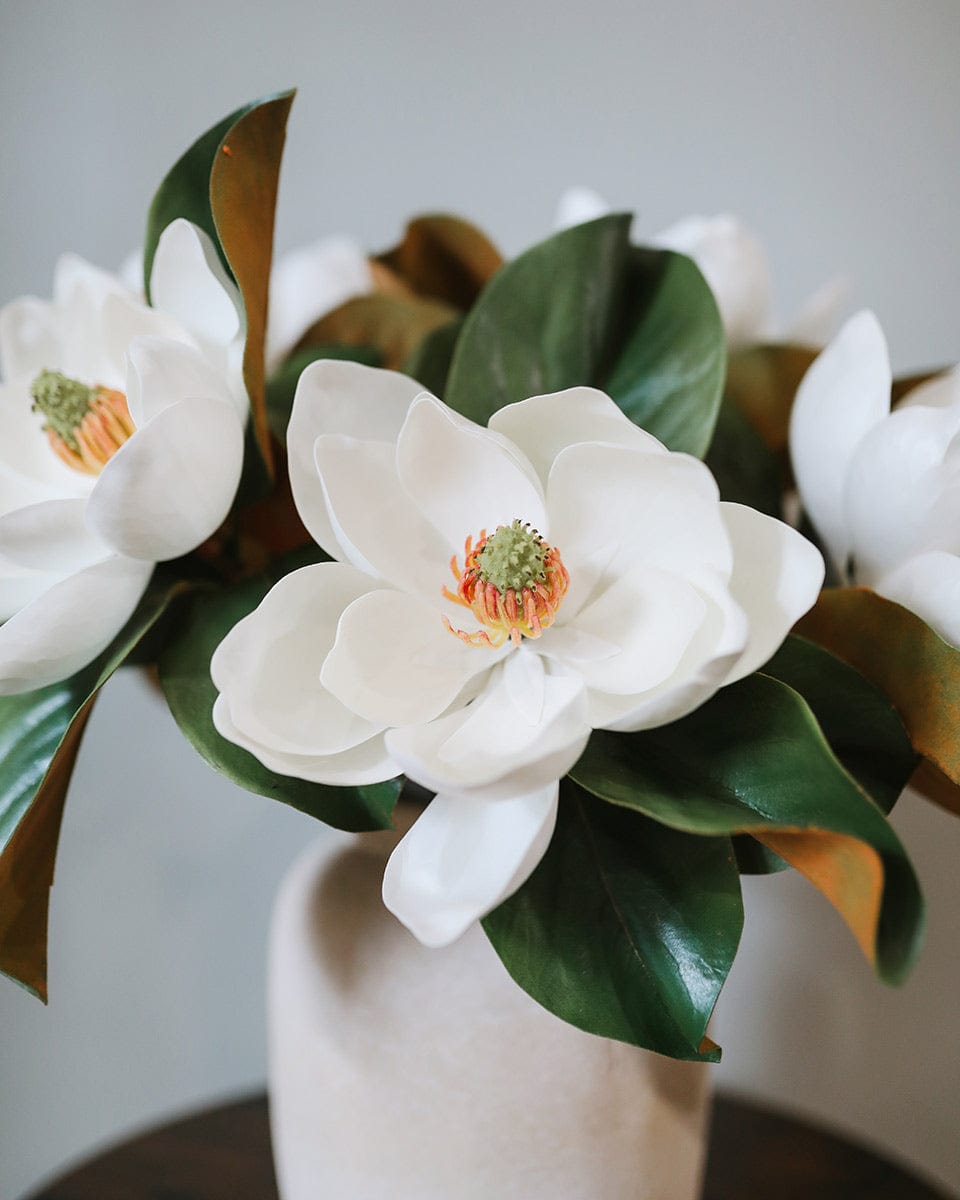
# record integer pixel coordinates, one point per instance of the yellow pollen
(507, 612)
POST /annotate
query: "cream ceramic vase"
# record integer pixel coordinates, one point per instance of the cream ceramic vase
(401, 1073)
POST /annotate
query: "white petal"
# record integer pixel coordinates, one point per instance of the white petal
(843, 395)
(340, 398)
(491, 744)
(366, 762)
(943, 391)
(171, 485)
(162, 371)
(375, 522)
(613, 508)
(734, 264)
(189, 282)
(76, 281)
(29, 337)
(70, 624)
(308, 282)
(651, 617)
(18, 586)
(900, 497)
(463, 477)
(124, 318)
(50, 536)
(579, 204)
(464, 856)
(268, 666)
(819, 317)
(394, 663)
(777, 575)
(928, 585)
(544, 425)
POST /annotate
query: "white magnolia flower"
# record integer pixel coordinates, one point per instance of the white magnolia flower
(121, 444)
(497, 594)
(882, 488)
(307, 283)
(735, 265)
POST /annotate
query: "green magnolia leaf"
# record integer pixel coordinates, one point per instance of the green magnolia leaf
(911, 664)
(282, 385)
(444, 257)
(753, 760)
(185, 678)
(584, 307)
(626, 929)
(745, 470)
(40, 734)
(429, 364)
(227, 184)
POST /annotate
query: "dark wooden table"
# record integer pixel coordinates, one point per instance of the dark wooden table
(224, 1154)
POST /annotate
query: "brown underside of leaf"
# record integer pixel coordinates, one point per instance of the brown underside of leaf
(445, 258)
(393, 325)
(243, 198)
(917, 670)
(931, 783)
(847, 871)
(762, 381)
(26, 868)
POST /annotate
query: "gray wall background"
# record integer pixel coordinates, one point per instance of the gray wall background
(831, 127)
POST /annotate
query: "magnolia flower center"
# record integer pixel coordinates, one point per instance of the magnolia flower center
(85, 426)
(512, 582)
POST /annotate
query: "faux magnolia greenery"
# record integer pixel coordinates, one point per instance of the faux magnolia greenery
(689, 753)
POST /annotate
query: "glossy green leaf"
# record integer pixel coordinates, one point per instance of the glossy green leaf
(911, 664)
(185, 678)
(746, 471)
(753, 760)
(430, 362)
(40, 734)
(626, 929)
(584, 307)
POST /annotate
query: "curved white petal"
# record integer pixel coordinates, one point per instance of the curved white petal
(464, 856)
(394, 663)
(346, 398)
(268, 667)
(900, 495)
(734, 264)
(928, 585)
(76, 281)
(171, 485)
(465, 478)
(29, 337)
(376, 523)
(124, 318)
(67, 626)
(50, 536)
(366, 762)
(544, 425)
(650, 617)
(579, 204)
(844, 395)
(613, 508)
(492, 743)
(162, 371)
(19, 586)
(189, 282)
(777, 575)
(817, 321)
(308, 282)
(942, 391)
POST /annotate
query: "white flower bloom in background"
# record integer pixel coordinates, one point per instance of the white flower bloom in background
(121, 445)
(307, 283)
(735, 265)
(882, 487)
(498, 593)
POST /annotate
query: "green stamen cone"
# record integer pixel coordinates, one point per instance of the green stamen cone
(63, 401)
(513, 558)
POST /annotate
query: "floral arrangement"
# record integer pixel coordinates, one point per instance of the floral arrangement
(507, 537)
